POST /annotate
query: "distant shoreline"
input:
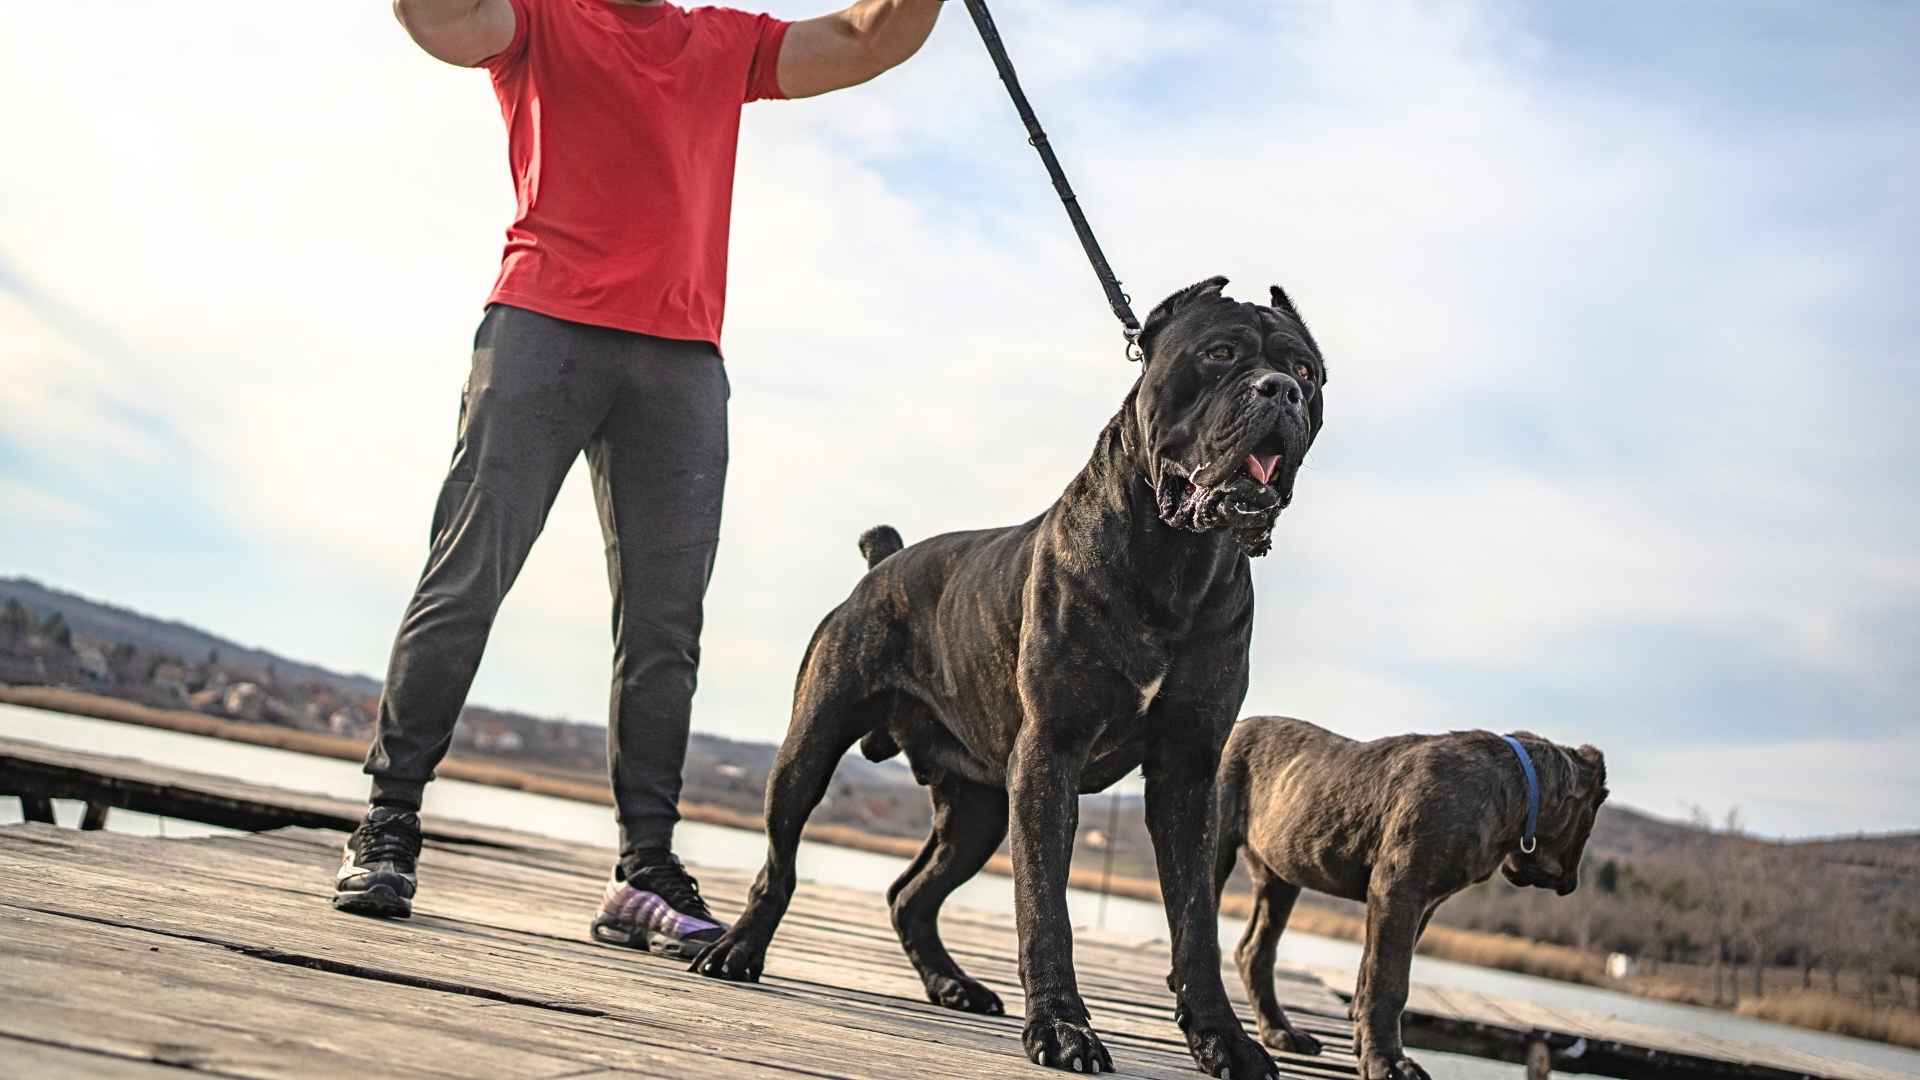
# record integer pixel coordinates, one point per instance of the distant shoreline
(1498, 952)
(490, 774)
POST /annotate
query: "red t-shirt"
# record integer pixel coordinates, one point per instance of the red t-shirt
(622, 124)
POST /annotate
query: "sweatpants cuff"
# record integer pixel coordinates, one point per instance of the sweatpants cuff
(406, 793)
(649, 832)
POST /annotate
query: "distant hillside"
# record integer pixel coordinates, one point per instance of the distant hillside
(107, 622)
(746, 762)
(1621, 832)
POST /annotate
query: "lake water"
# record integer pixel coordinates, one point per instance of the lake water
(739, 849)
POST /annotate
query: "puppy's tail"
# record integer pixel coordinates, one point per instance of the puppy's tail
(879, 542)
(1233, 817)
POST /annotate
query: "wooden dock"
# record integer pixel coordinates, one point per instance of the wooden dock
(127, 956)
(1505, 1029)
(123, 956)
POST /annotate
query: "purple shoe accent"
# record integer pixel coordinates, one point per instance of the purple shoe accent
(638, 919)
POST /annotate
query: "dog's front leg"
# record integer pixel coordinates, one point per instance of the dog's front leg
(1042, 785)
(1396, 913)
(1183, 818)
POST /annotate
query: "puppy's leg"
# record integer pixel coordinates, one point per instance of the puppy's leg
(969, 821)
(1272, 906)
(815, 743)
(1043, 780)
(1394, 917)
(1182, 817)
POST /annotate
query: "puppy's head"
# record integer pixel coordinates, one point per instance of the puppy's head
(1555, 864)
(1231, 398)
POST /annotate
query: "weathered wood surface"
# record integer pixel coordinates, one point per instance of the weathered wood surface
(1482, 1025)
(222, 954)
(119, 954)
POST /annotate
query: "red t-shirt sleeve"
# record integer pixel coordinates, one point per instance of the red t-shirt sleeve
(758, 39)
(516, 48)
(763, 78)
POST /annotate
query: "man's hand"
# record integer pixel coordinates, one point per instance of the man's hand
(462, 32)
(850, 47)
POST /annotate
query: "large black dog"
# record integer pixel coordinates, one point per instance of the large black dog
(1033, 663)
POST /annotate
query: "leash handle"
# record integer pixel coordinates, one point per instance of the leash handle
(1117, 298)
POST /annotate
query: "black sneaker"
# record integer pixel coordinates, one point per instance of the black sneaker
(377, 866)
(657, 908)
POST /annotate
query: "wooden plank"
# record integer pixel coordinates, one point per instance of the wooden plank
(500, 926)
(38, 772)
(242, 930)
(1467, 1022)
(26, 1057)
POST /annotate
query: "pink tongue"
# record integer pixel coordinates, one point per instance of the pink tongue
(1263, 469)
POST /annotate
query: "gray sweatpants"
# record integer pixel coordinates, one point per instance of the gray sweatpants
(651, 414)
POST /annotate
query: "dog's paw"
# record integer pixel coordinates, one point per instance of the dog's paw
(964, 994)
(1376, 1067)
(735, 957)
(1290, 1042)
(1062, 1041)
(1227, 1051)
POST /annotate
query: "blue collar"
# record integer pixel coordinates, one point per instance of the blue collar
(1528, 843)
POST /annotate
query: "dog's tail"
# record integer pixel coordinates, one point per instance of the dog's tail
(1232, 781)
(879, 542)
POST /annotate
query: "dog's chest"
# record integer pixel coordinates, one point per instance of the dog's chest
(1150, 690)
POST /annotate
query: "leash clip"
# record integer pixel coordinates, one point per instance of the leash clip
(1135, 354)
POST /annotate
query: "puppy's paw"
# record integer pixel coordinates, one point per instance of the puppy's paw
(1064, 1039)
(1376, 1067)
(964, 994)
(736, 957)
(1290, 1042)
(1226, 1051)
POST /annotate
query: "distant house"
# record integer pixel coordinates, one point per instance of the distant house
(245, 701)
(94, 665)
(351, 721)
(494, 737)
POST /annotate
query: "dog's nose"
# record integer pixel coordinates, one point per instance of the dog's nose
(1274, 384)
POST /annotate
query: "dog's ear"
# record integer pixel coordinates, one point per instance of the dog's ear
(1284, 304)
(1593, 769)
(1164, 312)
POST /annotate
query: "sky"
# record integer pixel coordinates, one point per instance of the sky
(1616, 300)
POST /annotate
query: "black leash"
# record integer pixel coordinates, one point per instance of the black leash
(1122, 303)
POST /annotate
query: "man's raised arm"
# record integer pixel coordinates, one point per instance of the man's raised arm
(849, 47)
(462, 32)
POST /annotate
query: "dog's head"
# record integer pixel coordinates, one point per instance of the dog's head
(1555, 864)
(1231, 397)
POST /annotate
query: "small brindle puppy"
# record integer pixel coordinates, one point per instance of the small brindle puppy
(1401, 823)
(1017, 668)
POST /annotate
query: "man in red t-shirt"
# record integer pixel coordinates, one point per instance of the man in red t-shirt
(601, 334)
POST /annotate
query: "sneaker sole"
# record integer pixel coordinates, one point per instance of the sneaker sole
(375, 901)
(608, 932)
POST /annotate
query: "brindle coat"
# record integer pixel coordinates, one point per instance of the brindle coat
(1401, 823)
(1037, 662)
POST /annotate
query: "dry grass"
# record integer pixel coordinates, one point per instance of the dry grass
(1843, 1016)
(1447, 943)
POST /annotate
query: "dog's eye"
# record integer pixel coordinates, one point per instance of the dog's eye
(1304, 372)
(1220, 353)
